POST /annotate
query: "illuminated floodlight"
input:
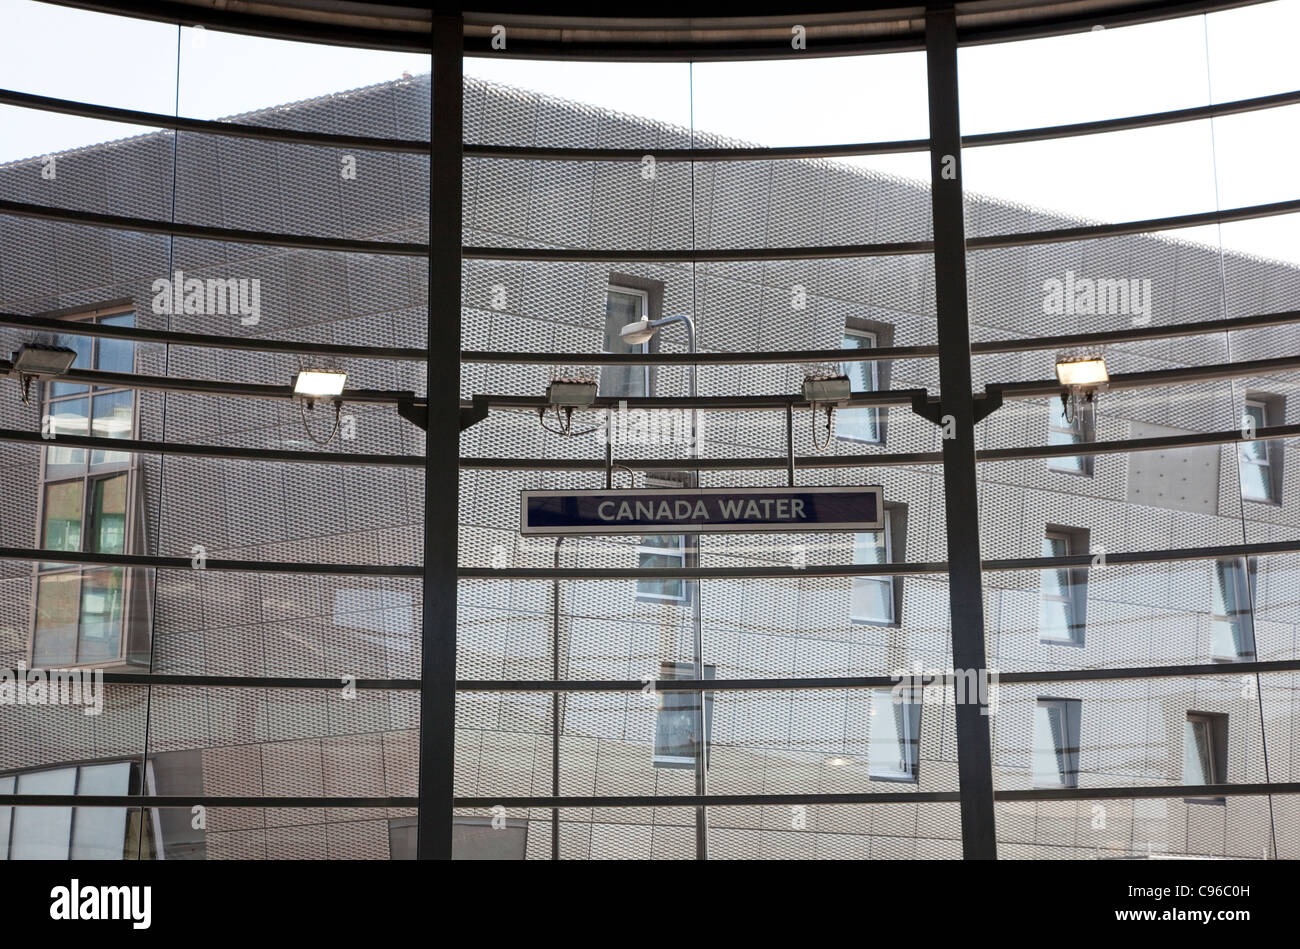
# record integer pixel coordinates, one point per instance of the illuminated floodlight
(319, 383)
(1082, 373)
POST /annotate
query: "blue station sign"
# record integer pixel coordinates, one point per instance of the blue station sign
(702, 510)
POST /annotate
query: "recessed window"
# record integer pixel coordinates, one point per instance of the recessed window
(87, 504)
(1205, 740)
(1072, 432)
(1259, 463)
(677, 719)
(873, 597)
(662, 551)
(895, 742)
(1056, 743)
(860, 424)
(1232, 628)
(626, 301)
(1063, 595)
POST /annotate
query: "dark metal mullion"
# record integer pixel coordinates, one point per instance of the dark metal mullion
(185, 563)
(961, 492)
(442, 441)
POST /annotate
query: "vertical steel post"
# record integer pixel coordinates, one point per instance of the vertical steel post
(442, 447)
(961, 496)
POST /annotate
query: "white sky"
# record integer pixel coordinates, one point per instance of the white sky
(1233, 54)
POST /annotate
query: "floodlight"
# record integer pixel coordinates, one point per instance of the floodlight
(639, 332)
(827, 390)
(319, 383)
(41, 361)
(1082, 373)
(573, 393)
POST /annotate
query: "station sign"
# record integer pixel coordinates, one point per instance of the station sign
(702, 510)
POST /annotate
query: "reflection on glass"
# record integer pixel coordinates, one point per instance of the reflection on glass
(69, 417)
(1197, 767)
(101, 614)
(623, 306)
(1062, 432)
(895, 735)
(862, 424)
(108, 515)
(83, 346)
(1232, 631)
(57, 609)
(662, 551)
(43, 833)
(677, 721)
(62, 527)
(1254, 458)
(1056, 743)
(873, 597)
(99, 833)
(1056, 611)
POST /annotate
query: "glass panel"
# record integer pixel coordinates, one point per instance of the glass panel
(115, 355)
(99, 833)
(6, 817)
(108, 515)
(1196, 752)
(888, 749)
(67, 418)
(859, 424)
(113, 418)
(621, 309)
(83, 346)
(873, 599)
(1048, 732)
(57, 599)
(43, 833)
(63, 513)
(101, 614)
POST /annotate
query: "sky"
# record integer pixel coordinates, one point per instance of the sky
(1105, 73)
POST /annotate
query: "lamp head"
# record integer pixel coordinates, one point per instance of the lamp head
(634, 334)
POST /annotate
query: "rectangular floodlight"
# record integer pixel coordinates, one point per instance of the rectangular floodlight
(832, 390)
(319, 383)
(572, 393)
(42, 361)
(1082, 373)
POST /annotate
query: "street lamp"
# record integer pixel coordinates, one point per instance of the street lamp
(642, 331)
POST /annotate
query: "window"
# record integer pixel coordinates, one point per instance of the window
(78, 833)
(1259, 462)
(1232, 628)
(627, 300)
(861, 424)
(1056, 743)
(662, 550)
(893, 752)
(1205, 741)
(87, 503)
(1061, 432)
(874, 597)
(676, 722)
(1064, 590)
